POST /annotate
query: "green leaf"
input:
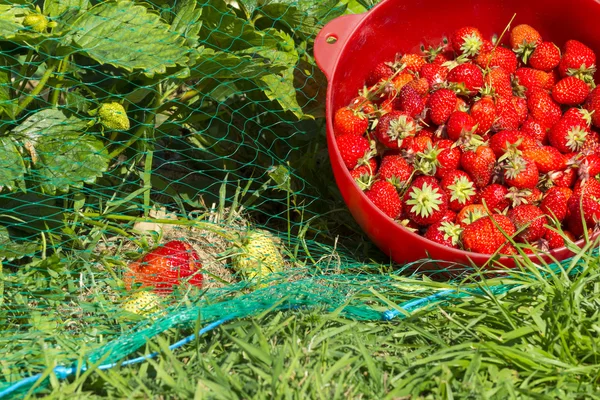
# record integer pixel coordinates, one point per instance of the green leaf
(10, 250)
(7, 103)
(12, 167)
(62, 154)
(64, 12)
(11, 18)
(187, 21)
(127, 36)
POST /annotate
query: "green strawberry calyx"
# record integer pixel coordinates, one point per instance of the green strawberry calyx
(400, 128)
(425, 200)
(462, 190)
(471, 44)
(576, 138)
(451, 231)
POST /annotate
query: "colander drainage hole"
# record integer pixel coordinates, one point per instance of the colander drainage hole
(331, 39)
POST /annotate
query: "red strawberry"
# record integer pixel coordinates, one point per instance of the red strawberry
(521, 173)
(499, 81)
(503, 140)
(583, 212)
(520, 106)
(543, 108)
(363, 105)
(532, 79)
(165, 267)
(410, 102)
(449, 216)
(396, 170)
(467, 77)
(441, 104)
(460, 189)
(554, 204)
(459, 124)
(412, 62)
(484, 113)
(499, 57)
(381, 71)
(425, 202)
(577, 60)
(530, 220)
(483, 235)
(554, 239)
(568, 135)
(545, 57)
(589, 167)
(401, 80)
(470, 214)
(466, 40)
(448, 158)
(592, 104)
(524, 39)
(508, 116)
(533, 129)
(416, 145)
(385, 197)
(421, 86)
(364, 174)
(347, 121)
(565, 178)
(494, 197)
(445, 233)
(394, 128)
(435, 74)
(546, 158)
(570, 91)
(479, 164)
(353, 149)
(516, 196)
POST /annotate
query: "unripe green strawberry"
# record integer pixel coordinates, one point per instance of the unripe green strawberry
(36, 22)
(141, 303)
(113, 116)
(258, 256)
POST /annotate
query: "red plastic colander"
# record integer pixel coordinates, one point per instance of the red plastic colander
(348, 47)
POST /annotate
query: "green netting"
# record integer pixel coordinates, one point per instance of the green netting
(224, 128)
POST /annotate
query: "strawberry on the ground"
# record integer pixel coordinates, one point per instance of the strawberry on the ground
(500, 57)
(467, 78)
(554, 204)
(381, 71)
(484, 112)
(394, 128)
(440, 105)
(502, 141)
(354, 149)
(469, 214)
(385, 197)
(546, 158)
(577, 60)
(592, 104)
(435, 74)
(425, 202)
(530, 79)
(543, 108)
(533, 129)
(396, 170)
(484, 236)
(545, 57)
(460, 189)
(524, 39)
(165, 267)
(568, 135)
(412, 62)
(530, 220)
(410, 102)
(499, 81)
(521, 173)
(347, 121)
(448, 158)
(493, 197)
(445, 233)
(466, 40)
(479, 164)
(458, 124)
(570, 91)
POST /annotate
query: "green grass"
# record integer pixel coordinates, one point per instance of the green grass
(538, 340)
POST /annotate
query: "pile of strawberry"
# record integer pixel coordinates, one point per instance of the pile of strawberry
(476, 140)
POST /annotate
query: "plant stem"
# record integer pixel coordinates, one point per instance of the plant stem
(23, 73)
(37, 90)
(62, 66)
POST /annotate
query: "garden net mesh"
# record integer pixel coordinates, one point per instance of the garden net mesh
(124, 124)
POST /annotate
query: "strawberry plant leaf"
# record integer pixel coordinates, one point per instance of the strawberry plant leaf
(6, 101)
(125, 35)
(61, 154)
(10, 250)
(12, 167)
(186, 21)
(64, 12)
(11, 18)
